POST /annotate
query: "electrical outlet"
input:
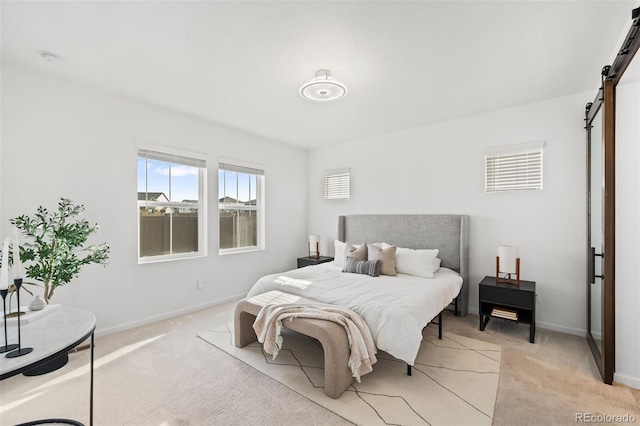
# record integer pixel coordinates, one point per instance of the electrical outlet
(200, 285)
(538, 299)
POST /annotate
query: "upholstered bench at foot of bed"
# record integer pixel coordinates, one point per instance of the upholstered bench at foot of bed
(332, 337)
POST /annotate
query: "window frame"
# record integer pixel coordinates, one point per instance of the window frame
(258, 171)
(179, 157)
(514, 168)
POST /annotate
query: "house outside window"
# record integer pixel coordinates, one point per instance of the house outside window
(241, 207)
(171, 206)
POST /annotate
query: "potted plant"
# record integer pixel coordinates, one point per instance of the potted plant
(54, 252)
(55, 248)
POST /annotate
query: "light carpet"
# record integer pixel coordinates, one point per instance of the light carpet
(454, 381)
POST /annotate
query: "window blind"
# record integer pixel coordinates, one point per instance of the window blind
(514, 167)
(172, 158)
(336, 185)
(241, 169)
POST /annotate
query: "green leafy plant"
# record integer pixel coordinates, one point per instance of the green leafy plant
(55, 248)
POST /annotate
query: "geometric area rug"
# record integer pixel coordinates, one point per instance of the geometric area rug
(454, 380)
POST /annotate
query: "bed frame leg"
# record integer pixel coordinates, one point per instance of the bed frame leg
(457, 312)
(440, 325)
(408, 370)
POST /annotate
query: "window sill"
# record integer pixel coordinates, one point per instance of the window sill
(225, 252)
(159, 259)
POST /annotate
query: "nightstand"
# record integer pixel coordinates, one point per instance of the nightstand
(306, 261)
(508, 301)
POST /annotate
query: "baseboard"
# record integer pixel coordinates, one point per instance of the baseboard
(550, 326)
(149, 320)
(562, 329)
(633, 382)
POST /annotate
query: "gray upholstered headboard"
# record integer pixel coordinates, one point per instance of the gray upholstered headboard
(447, 232)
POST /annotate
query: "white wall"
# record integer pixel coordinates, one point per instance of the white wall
(64, 140)
(627, 297)
(61, 139)
(440, 169)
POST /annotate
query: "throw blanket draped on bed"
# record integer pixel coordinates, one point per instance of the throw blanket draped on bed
(268, 328)
(395, 309)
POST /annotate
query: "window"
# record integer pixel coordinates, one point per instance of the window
(514, 168)
(336, 185)
(241, 207)
(171, 206)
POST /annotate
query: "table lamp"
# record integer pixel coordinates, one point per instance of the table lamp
(508, 263)
(314, 246)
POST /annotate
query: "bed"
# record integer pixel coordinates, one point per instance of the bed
(395, 308)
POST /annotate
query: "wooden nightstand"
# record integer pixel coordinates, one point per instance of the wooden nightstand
(306, 261)
(508, 301)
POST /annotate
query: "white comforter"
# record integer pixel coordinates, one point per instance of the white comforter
(396, 309)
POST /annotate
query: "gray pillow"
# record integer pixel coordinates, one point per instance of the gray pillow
(371, 267)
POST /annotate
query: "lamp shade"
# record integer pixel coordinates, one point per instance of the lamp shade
(508, 256)
(313, 240)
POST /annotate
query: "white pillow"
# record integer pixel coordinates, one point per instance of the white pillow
(420, 263)
(338, 255)
(436, 261)
(436, 264)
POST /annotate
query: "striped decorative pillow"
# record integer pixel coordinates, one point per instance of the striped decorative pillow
(371, 267)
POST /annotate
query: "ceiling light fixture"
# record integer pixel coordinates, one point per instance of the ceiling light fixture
(323, 88)
(52, 58)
